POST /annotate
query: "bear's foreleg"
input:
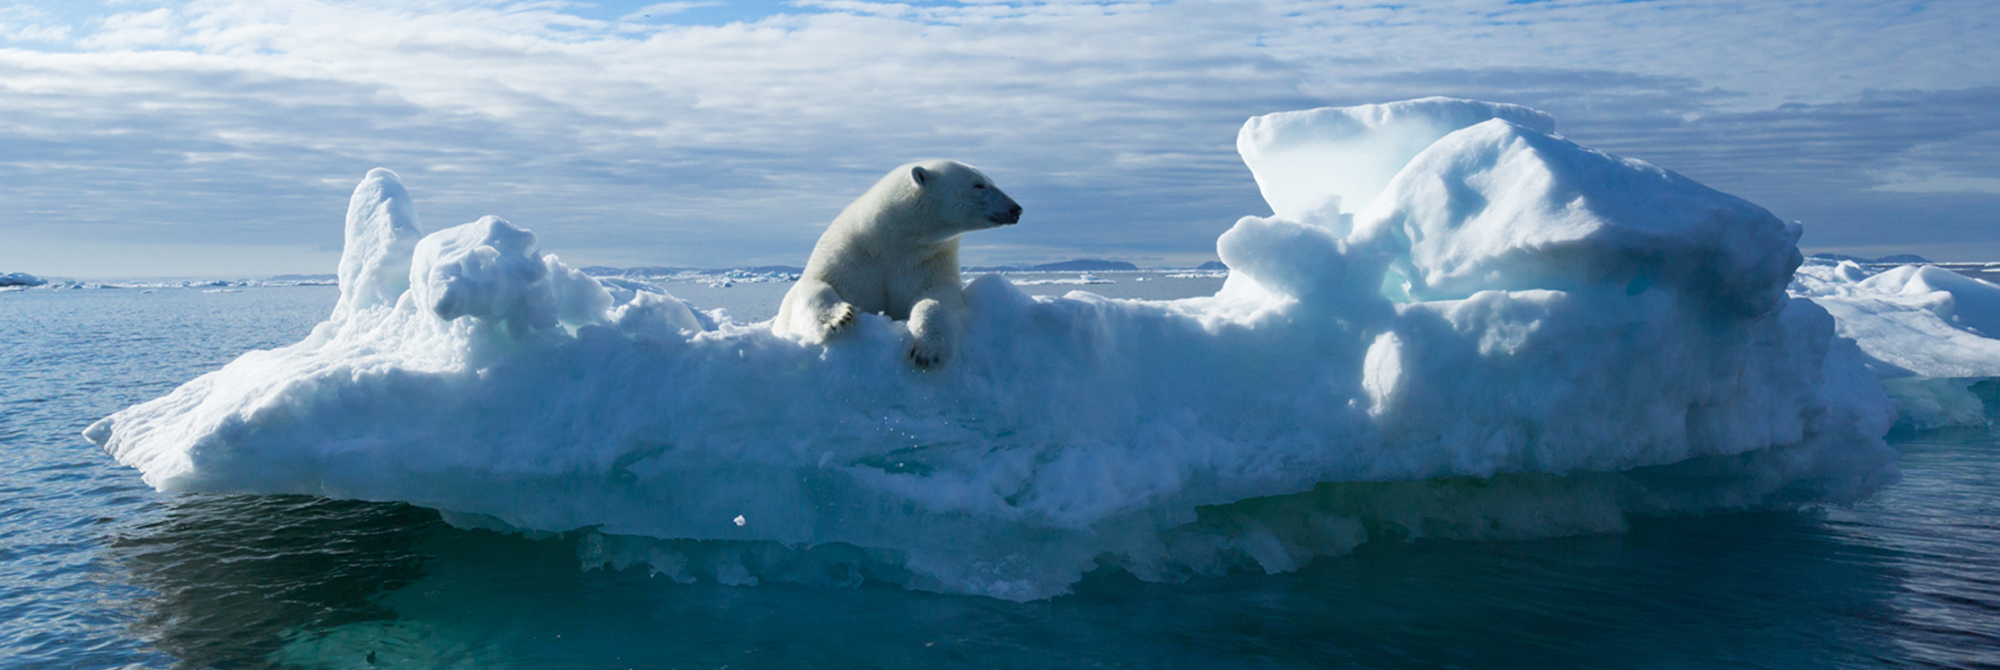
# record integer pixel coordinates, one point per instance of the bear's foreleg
(935, 322)
(813, 309)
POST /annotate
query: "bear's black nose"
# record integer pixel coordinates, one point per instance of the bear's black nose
(1013, 215)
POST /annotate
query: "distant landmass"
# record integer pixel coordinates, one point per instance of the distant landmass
(1904, 259)
(649, 270)
(1085, 265)
(1212, 265)
(772, 269)
(1078, 265)
(305, 278)
(672, 271)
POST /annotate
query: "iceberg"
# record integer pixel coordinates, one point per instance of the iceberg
(1456, 324)
(21, 279)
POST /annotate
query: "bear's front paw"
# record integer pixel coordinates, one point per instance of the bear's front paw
(836, 319)
(928, 354)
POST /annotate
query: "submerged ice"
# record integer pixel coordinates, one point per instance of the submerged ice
(1457, 324)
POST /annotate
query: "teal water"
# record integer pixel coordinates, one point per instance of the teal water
(99, 571)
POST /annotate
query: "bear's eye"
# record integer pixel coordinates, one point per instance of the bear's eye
(979, 186)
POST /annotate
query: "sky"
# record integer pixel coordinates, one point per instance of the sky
(221, 138)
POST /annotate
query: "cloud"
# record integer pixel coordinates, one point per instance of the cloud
(1928, 181)
(626, 140)
(1884, 168)
(27, 24)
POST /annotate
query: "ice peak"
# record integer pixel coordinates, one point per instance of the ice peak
(382, 231)
(1339, 158)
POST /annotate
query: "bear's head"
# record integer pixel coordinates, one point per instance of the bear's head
(959, 198)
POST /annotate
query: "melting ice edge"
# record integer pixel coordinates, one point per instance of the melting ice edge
(1456, 324)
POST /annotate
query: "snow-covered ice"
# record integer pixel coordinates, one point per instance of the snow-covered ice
(1319, 162)
(1929, 332)
(1914, 320)
(1458, 324)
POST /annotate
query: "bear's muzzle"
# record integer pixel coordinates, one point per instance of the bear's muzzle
(1010, 217)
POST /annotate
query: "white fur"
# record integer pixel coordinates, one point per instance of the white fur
(894, 251)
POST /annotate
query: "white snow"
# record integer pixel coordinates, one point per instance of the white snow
(1509, 336)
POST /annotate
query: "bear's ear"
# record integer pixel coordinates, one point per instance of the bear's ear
(921, 176)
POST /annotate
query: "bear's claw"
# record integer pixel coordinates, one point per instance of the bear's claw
(839, 318)
(925, 356)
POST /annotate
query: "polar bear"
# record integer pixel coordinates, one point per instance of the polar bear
(894, 251)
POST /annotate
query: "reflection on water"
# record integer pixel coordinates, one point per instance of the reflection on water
(232, 576)
(1941, 525)
(1907, 577)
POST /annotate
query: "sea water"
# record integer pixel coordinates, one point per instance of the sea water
(98, 570)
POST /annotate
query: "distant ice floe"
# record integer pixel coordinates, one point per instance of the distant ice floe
(1083, 279)
(20, 279)
(1929, 332)
(1457, 325)
(206, 285)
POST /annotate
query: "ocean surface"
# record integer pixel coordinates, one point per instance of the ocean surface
(99, 571)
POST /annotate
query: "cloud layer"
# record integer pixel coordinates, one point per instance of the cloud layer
(685, 133)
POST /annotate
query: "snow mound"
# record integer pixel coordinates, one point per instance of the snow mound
(1500, 206)
(1519, 337)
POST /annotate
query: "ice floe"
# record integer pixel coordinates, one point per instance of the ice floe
(1458, 324)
